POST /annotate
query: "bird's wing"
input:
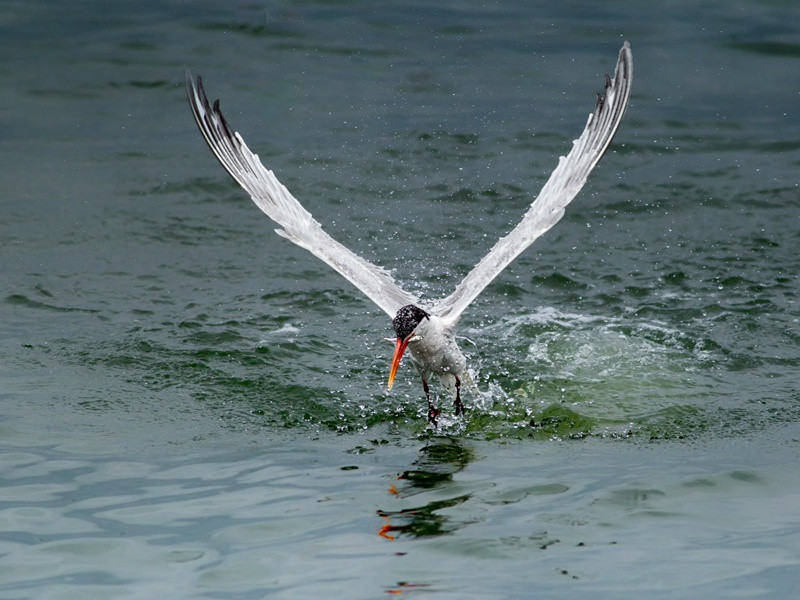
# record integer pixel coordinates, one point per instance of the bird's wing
(272, 197)
(564, 184)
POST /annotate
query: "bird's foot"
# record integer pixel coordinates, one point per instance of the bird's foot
(433, 416)
(433, 412)
(458, 405)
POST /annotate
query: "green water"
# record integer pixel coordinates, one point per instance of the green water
(186, 394)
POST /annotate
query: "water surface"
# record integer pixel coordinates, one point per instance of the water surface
(193, 407)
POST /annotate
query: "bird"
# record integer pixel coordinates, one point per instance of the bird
(425, 331)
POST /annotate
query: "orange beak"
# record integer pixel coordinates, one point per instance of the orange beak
(399, 349)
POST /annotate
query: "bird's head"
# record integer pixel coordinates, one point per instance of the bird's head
(405, 326)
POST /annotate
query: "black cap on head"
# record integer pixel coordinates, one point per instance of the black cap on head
(407, 320)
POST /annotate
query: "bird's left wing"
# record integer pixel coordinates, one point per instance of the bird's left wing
(272, 197)
(564, 184)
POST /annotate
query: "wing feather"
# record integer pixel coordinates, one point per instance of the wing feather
(272, 197)
(563, 185)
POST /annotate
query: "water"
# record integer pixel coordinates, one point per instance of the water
(194, 408)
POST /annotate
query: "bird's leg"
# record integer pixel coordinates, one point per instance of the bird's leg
(457, 404)
(433, 414)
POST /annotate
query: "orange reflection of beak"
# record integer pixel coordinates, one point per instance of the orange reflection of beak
(399, 349)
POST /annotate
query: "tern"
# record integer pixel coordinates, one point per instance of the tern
(428, 333)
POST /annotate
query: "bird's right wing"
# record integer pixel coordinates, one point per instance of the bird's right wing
(564, 184)
(272, 197)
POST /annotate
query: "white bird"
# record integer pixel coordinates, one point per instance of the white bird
(428, 333)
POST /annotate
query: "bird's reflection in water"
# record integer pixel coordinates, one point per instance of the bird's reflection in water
(439, 460)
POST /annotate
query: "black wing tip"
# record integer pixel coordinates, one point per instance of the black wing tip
(195, 84)
(625, 52)
(192, 83)
(198, 99)
(625, 61)
(601, 98)
(195, 88)
(624, 65)
(623, 68)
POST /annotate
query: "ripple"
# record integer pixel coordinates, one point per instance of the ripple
(767, 48)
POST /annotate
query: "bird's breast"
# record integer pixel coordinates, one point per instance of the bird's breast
(436, 351)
